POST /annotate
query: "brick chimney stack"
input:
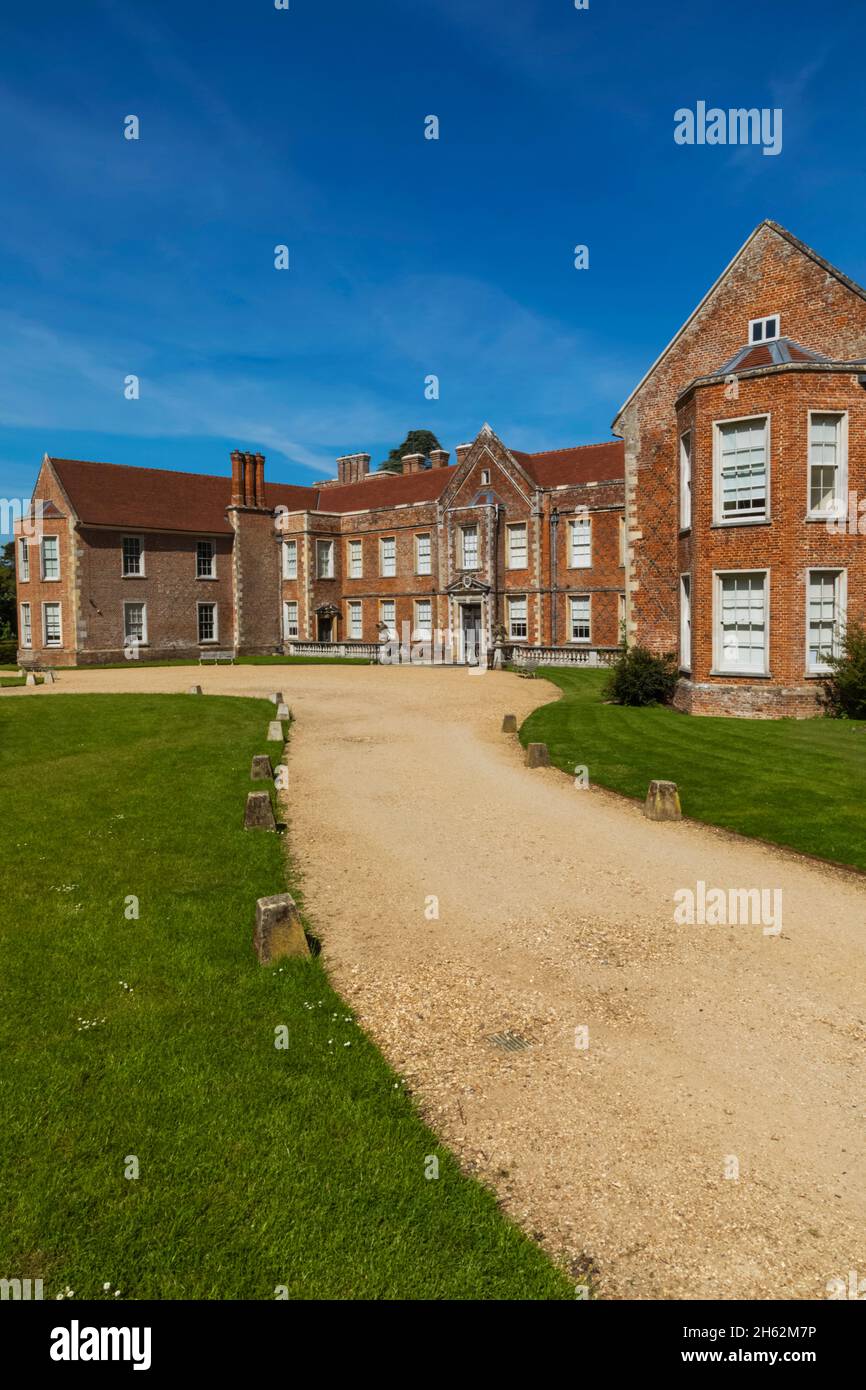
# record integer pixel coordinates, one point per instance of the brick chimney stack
(237, 478)
(461, 451)
(439, 458)
(413, 463)
(248, 479)
(353, 468)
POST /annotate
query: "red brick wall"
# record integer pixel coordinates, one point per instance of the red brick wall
(818, 310)
(37, 591)
(256, 580)
(788, 546)
(518, 500)
(169, 588)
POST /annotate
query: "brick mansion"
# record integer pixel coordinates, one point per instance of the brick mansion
(714, 525)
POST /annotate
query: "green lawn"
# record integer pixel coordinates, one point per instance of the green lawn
(154, 1038)
(798, 782)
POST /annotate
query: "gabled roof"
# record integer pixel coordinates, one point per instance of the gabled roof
(586, 463)
(780, 231)
(159, 499)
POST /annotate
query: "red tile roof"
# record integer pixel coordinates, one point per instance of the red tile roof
(160, 499)
(588, 463)
(386, 490)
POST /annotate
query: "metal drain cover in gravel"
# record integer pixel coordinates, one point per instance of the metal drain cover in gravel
(509, 1042)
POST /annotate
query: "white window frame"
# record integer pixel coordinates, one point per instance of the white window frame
(686, 621)
(839, 507)
(26, 626)
(205, 540)
(470, 529)
(324, 547)
(124, 572)
(582, 521)
(420, 568)
(510, 601)
(749, 518)
(23, 560)
(422, 631)
(509, 548)
(49, 578)
(719, 666)
(207, 641)
(52, 603)
(623, 542)
(686, 480)
(841, 575)
(355, 559)
(392, 627)
(572, 600)
(387, 563)
(127, 637)
(290, 559)
(763, 336)
(288, 624)
(485, 477)
(354, 610)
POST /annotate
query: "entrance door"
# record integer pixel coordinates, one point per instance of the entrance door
(326, 629)
(470, 632)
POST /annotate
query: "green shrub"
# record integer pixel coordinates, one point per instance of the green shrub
(639, 677)
(8, 651)
(844, 689)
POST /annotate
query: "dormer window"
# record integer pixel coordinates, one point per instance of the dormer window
(764, 330)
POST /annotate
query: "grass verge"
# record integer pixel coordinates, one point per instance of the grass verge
(796, 782)
(153, 1038)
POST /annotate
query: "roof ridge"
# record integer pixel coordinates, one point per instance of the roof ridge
(172, 472)
(138, 468)
(570, 448)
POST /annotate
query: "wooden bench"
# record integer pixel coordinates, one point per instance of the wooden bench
(217, 657)
(528, 672)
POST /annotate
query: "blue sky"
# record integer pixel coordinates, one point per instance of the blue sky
(409, 257)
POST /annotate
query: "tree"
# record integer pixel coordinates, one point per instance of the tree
(844, 694)
(8, 624)
(416, 442)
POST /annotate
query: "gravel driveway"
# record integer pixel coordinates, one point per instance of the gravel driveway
(460, 896)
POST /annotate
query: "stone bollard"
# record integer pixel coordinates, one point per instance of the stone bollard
(194, 690)
(262, 768)
(537, 755)
(278, 932)
(275, 732)
(49, 678)
(662, 802)
(276, 697)
(283, 712)
(259, 813)
(509, 724)
(31, 679)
